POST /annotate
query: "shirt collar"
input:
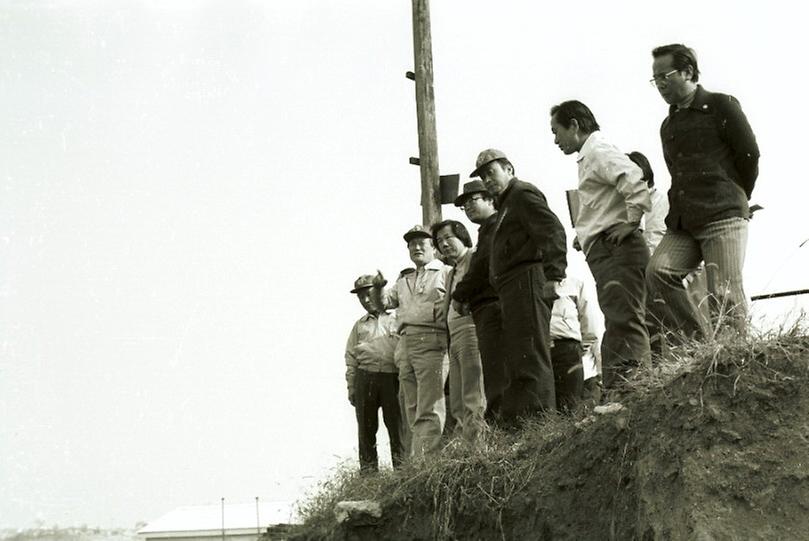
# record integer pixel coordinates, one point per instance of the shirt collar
(488, 222)
(435, 264)
(699, 103)
(464, 257)
(368, 315)
(588, 145)
(505, 192)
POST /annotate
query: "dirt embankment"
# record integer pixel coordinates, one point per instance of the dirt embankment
(712, 447)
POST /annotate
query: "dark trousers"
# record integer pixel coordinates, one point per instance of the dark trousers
(526, 345)
(489, 328)
(620, 276)
(450, 421)
(374, 390)
(568, 373)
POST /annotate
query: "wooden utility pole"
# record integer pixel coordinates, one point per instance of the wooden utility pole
(425, 112)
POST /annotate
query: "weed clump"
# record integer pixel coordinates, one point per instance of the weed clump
(711, 443)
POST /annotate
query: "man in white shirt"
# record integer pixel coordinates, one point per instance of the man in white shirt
(372, 377)
(423, 357)
(613, 198)
(573, 335)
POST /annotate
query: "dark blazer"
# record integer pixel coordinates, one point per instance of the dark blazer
(474, 287)
(526, 233)
(712, 155)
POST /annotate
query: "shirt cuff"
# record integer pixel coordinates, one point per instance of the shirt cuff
(633, 215)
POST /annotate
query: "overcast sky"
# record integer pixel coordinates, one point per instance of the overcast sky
(188, 190)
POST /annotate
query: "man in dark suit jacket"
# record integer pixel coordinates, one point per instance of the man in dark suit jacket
(528, 259)
(712, 155)
(475, 294)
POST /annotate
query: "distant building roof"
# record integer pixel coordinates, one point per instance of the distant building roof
(204, 518)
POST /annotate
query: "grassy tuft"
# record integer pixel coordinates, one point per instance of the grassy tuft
(430, 495)
(489, 487)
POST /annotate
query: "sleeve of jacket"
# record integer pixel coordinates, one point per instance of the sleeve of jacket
(627, 177)
(546, 232)
(351, 359)
(589, 338)
(742, 141)
(630, 184)
(666, 156)
(390, 296)
(441, 286)
(475, 280)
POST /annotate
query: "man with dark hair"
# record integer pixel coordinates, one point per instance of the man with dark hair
(654, 221)
(423, 356)
(466, 395)
(458, 231)
(568, 111)
(712, 155)
(474, 293)
(613, 198)
(372, 376)
(528, 260)
(654, 227)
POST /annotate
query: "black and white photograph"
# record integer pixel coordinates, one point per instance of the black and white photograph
(403, 270)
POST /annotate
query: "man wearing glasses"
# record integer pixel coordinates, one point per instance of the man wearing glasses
(528, 259)
(712, 155)
(474, 293)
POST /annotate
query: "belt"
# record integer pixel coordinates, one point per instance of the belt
(418, 329)
(555, 341)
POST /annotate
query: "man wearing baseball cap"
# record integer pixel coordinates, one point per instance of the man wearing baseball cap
(528, 259)
(372, 376)
(475, 294)
(424, 363)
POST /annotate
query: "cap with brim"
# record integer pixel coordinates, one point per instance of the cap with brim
(469, 189)
(417, 231)
(485, 157)
(365, 281)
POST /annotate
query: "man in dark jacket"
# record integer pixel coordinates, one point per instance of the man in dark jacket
(712, 155)
(475, 294)
(527, 261)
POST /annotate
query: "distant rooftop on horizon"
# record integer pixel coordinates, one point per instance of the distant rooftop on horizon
(237, 516)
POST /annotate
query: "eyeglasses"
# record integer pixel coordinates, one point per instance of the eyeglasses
(468, 203)
(657, 79)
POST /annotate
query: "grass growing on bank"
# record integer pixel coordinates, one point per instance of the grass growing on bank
(480, 488)
(461, 481)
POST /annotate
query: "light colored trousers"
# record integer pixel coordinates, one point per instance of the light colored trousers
(467, 398)
(422, 373)
(406, 434)
(722, 246)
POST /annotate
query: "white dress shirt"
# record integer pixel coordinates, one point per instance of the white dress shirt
(611, 190)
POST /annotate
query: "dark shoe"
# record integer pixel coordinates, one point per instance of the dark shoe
(592, 391)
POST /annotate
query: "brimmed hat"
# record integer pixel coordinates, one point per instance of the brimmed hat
(470, 188)
(415, 232)
(485, 157)
(364, 282)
